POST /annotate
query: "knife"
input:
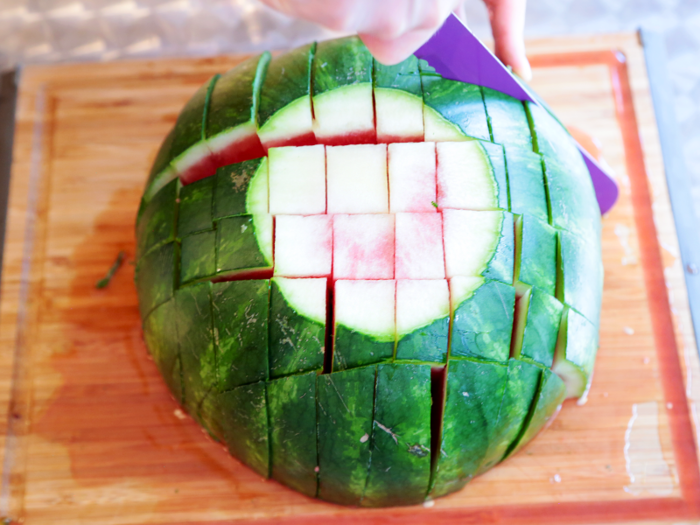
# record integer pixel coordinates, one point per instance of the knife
(457, 54)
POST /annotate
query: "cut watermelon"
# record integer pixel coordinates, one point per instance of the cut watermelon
(195, 210)
(399, 470)
(372, 283)
(466, 118)
(467, 180)
(161, 335)
(419, 253)
(364, 324)
(422, 320)
(357, 179)
(479, 243)
(156, 273)
(297, 326)
(241, 189)
(472, 404)
(244, 421)
(342, 93)
(580, 274)
(526, 181)
(285, 117)
(576, 349)
(507, 119)
(298, 180)
(412, 169)
(244, 246)
(482, 318)
(363, 247)
(241, 311)
(537, 317)
(195, 330)
(231, 121)
(156, 224)
(303, 245)
(521, 388)
(398, 101)
(535, 254)
(198, 257)
(291, 404)
(550, 394)
(345, 408)
(190, 155)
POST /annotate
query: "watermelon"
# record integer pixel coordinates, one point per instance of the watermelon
(369, 282)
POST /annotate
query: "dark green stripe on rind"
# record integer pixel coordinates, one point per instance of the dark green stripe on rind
(458, 102)
(243, 419)
(194, 214)
(156, 222)
(195, 328)
(198, 259)
(188, 128)
(541, 316)
(345, 408)
(572, 199)
(288, 78)
(403, 76)
(550, 395)
(352, 348)
(296, 342)
(501, 265)
(482, 324)
(580, 274)
(237, 246)
(291, 403)
(496, 157)
(155, 277)
(160, 331)
(536, 253)
(521, 388)
(507, 119)
(231, 188)
(399, 470)
(427, 343)
(470, 423)
(526, 182)
(340, 62)
(235, 98)
(241, 312)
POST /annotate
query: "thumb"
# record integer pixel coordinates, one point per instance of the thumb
(507, 25)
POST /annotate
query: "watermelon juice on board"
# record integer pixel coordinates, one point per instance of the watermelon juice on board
(370, 282)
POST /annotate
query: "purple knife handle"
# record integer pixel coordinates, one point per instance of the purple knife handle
(457, 54)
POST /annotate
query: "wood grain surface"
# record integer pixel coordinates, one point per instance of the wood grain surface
(91, 435)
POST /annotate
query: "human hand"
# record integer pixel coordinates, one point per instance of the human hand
(393, 29)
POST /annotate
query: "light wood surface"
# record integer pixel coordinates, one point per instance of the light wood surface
(92, 436)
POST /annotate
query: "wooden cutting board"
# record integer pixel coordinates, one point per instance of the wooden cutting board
(91, 434)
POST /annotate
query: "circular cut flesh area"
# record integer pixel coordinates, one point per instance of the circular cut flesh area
(371, 292)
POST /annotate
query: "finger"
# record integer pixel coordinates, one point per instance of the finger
(390, 52)
(507, 25)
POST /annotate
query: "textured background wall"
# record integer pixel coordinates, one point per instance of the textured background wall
(39, 31)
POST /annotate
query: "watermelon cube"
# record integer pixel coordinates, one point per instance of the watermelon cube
(303, 245)
(357, 179)
(419, 253)
(422, 320)
(363, 247)
(479, 243)
(412, 177)
(240, 189)
(298, 180)
(364, 324)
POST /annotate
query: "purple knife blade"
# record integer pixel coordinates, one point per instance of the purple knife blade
(457, 54)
